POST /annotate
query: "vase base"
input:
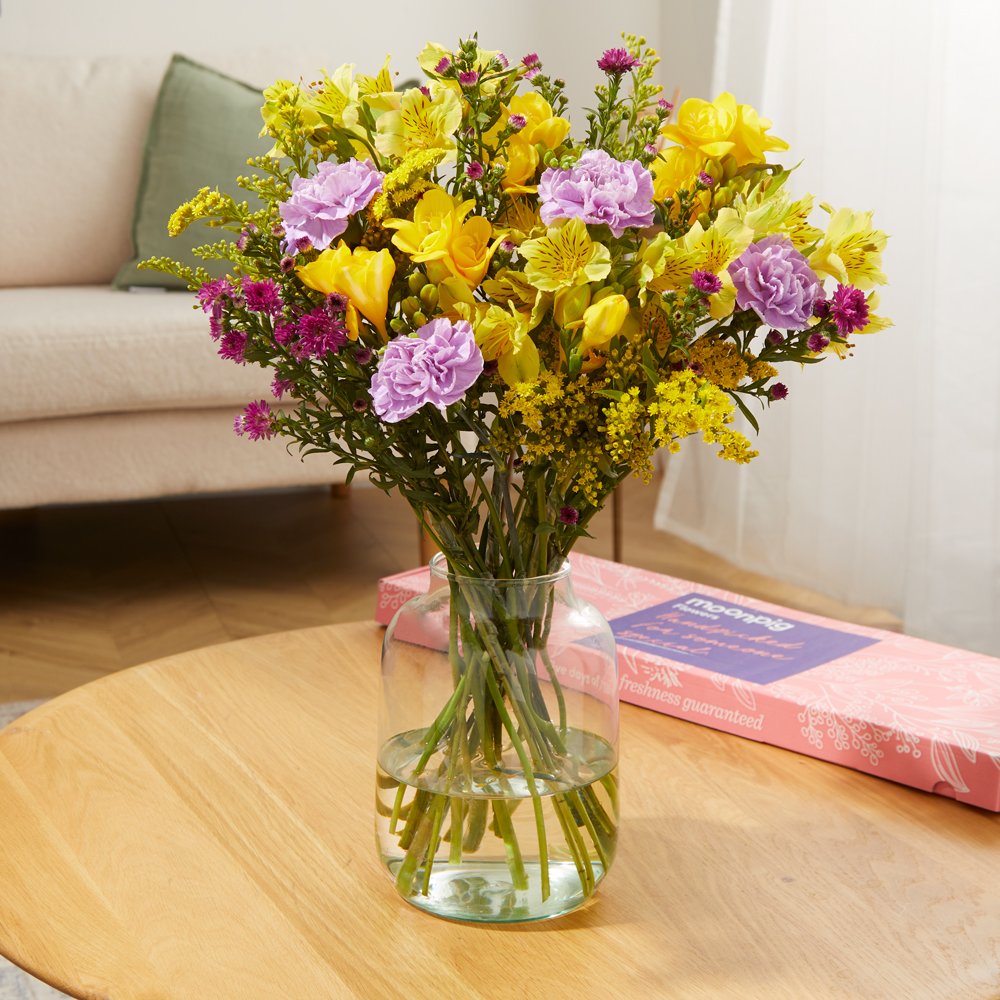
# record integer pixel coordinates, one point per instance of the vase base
(481, 892)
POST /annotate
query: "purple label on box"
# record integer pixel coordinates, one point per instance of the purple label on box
(732, 639)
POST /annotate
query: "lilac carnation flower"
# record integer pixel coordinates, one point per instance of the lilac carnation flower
(599, 189)
(437, 366)
(321, 206)
(776, 281)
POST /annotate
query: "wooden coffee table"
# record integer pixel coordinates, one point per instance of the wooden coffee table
(200, 828)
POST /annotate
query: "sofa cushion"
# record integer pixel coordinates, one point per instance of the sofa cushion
(70, 351)
(204, 127)
(73, 130)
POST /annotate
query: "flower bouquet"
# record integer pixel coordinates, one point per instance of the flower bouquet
(468, 304)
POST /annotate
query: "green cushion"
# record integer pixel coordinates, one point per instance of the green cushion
(204, 127)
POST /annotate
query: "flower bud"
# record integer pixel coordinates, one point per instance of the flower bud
(416, 281)
(397, 324)
(603, 320)
(569, 305)
(419, 319)
(410, 305)
(429, 296)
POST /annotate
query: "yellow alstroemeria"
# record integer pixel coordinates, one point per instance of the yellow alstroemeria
(503, 336)
(336, 101)
(363, 276)
(441, 237)
(875, 323)
(706, 127)
(670, 263)
(520, 220)
(378, 91)
(421, 122)
(851, 250)
(566, 256)
(769, 209)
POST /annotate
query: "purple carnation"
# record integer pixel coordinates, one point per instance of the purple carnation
(599, 189)
(849, 309)
(321, 206)
(776, 281)
(437, 366)
(614, 62)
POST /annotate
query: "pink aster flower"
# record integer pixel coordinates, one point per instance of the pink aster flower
(262, 296)
(517, 122)
(614, 62)
(279, 386)
(321, 206)
(443, 63)
(319, 335)
(705, 179)
(474, 171)
(468, 79)
(600, 190)
(778, 391)
(817, 342)
(569, 515)
(849, 309)
(707, 282)
(531, 59)
(436, 367)
(233, 345)
(256, 421)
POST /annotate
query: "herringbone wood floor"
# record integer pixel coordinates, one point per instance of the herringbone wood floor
(92, 589)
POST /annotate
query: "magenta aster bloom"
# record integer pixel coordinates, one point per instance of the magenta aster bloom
(665, 105)
(256, 421)
(707, 282)
(531, 59)
(778, 391)
(437, 366)
(849, 309)
(817, 342)
(776, 281)
(279, 386)
(262, 296)
(319, 334)
(600, 190)
(569, 515)
(517, 122)
(474, 171)
(443, 63)
(614, 62)
(469, 78)
(233, 345)
(705, 179)
(320, 207)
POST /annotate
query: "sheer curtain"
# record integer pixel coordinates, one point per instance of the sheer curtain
(879, 477)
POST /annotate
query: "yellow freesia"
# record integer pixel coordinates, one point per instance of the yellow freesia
(706, 127)
(752, 144)
(851, 250)
(603, 321)
(543, 129)
(422, 122)
(566, 256)
(441, 237)
(363, 276)
(674, 169)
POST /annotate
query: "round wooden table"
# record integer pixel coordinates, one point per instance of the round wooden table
(200, 828)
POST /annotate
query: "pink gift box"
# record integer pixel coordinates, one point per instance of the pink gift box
(891, 705)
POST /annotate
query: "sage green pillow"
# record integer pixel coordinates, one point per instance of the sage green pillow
(204, 127)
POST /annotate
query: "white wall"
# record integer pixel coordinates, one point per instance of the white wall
(308, 35)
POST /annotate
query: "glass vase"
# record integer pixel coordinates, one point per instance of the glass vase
(497, 778)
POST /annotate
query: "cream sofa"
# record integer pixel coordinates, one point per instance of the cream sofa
(107, 394)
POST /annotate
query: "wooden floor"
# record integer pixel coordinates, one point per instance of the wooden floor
(92, 589)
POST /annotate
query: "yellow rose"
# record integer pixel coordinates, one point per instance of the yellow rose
(704, 126)
(362, 275)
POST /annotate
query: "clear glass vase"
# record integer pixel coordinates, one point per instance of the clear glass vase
(497, 781)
